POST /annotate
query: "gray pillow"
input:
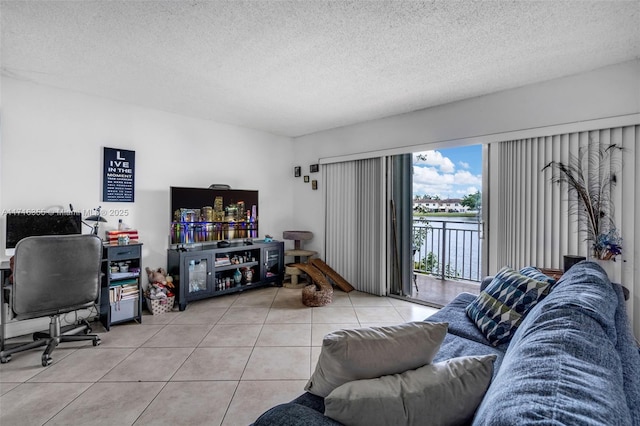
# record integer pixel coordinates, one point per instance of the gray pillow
(366, 353)
(443, 393)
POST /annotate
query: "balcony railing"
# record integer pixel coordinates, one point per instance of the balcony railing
(447, 249)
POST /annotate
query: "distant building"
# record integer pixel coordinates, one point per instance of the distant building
(449, 205)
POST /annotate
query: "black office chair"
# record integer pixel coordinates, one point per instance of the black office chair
(54, 275)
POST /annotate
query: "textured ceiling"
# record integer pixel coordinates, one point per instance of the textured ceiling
(297, 67)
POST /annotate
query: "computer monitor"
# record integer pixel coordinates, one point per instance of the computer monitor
(22, 225)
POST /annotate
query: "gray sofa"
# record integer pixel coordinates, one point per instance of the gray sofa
(573, 361)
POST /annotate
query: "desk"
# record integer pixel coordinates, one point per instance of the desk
(12, 328)
(4, 270)
(5, 295)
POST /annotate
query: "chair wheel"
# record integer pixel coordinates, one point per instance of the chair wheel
(96, 341)
(46, 360)
(5, 359)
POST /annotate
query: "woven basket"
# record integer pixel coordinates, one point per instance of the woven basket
(160, 306)
(313, 297)
(320, 293)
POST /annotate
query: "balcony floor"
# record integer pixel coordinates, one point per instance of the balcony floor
(437, 292)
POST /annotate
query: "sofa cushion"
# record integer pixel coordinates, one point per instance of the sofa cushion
(499, 309)
(454, 347)
(562, 366)
(443, 393)
(454, 313)
(366, 353)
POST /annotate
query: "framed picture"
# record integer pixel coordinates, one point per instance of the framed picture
(314, 168)
(118, 182)
(306, 178)
(297, 171)
(314, 184)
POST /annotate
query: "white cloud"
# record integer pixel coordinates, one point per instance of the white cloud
(430, 180)
(462, 192)
(467, 178)
(434, 158)
(463, 164)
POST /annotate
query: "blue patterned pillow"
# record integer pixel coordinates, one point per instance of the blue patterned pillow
(499, 309)
(535, 273)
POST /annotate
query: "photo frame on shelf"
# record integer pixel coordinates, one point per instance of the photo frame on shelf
(314, 184)
(297, 171)
(314, 168)
(306, 178)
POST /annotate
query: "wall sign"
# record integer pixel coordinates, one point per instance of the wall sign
(118, 181)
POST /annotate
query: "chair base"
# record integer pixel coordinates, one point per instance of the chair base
(55, 336)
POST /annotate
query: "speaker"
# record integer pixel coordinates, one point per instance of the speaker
(570, 260)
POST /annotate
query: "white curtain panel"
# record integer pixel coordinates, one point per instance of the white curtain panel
(529, 216)
(355, 242)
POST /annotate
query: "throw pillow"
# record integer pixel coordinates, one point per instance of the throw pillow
(443, 393)
(499, 309)
(366, 353)
(532, 272)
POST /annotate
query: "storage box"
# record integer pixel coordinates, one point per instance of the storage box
(160, 306)
(124, 310)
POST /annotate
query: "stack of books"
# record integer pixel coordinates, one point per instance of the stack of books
(223, 260)
(124, 291)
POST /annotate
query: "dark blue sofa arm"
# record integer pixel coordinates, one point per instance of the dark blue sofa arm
(292, 414)
(305, 410)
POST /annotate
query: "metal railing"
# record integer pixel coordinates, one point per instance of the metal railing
(447, 249)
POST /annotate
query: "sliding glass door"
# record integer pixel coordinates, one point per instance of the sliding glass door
(447, 226)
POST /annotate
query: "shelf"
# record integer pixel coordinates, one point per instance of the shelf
(123, 275)
(300, 253)
(233, 289)
(235, 266)
(266, 266)
(120, 294)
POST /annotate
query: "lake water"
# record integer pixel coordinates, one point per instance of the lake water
(459, 237)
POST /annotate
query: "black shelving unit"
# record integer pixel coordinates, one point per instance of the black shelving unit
(205, 270)
(121, 296)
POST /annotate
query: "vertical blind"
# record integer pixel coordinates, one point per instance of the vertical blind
(355, 236)
(530, 221)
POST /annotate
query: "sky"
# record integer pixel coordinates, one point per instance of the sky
(448, 173)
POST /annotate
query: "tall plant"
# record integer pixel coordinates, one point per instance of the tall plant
(591, 175)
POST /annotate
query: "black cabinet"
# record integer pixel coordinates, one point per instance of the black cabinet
(121, 292)
(205, 270)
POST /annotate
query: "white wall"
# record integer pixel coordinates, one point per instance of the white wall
(606, 92)
(51, 155)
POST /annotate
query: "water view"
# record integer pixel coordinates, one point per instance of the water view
(447, 246)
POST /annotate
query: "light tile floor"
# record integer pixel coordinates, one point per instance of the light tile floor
(222, 361)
